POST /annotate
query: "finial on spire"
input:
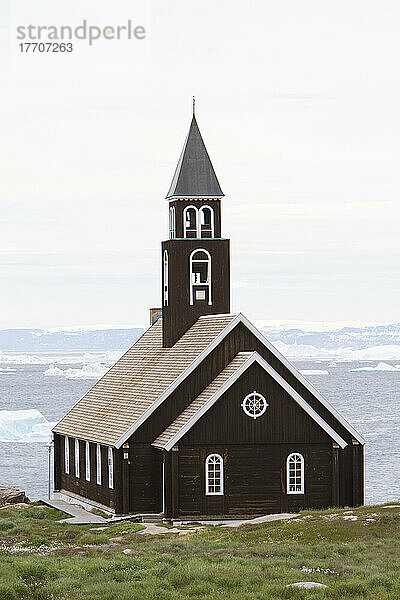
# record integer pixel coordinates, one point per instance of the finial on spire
(194, 105)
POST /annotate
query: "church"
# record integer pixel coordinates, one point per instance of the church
(202, 418)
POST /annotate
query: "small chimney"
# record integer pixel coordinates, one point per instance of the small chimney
(155, 314)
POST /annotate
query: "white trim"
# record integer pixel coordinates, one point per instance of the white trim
(98, 464)
(66, 454)
(163, 485)
(302, 486)
(302, 379)
(207, 464)
(110, 467)
(185, 230)
(207, 283)
(239, 318)
(172, 223)
(173, 198)
(77, 462)
(201, 216)
(87, 461)
(165, 278)
(255, 357)
(246, 410)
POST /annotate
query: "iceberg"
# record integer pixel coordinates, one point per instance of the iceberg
(382, 366)
(313, 372)
(24, 426)
(88, 371)
(307, 352)
(80, 358)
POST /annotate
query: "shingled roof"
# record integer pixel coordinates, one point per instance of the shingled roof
(194, 175)
(138, 382)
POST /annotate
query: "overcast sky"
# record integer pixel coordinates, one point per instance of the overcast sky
(299, 107)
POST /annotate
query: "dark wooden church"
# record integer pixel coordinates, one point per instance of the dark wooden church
(203, 417)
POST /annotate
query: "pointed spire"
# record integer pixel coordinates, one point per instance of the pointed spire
(194, 175)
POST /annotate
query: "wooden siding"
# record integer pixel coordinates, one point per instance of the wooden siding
(254, 480)
(284, 421)
(78, 485)
(145, 479)
(179, 315)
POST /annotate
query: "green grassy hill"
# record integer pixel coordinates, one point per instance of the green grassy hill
(355, 553)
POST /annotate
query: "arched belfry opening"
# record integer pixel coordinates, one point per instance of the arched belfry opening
(198, 256)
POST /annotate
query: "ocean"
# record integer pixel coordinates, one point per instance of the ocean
(368, 399)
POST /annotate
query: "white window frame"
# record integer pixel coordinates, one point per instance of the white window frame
(165, 276)
(172, 221)
(208, 483)
(289, 460)
(66, 454)
(98, 464)
(77, 462)
(201, 217)
(185, 229)
(110, 467)
(248, 412)
(193, 284)
(87, 461)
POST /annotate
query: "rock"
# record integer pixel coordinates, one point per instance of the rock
(118, 539)
(127, 551)
(97, 528)
(308, 585)
(11, 495)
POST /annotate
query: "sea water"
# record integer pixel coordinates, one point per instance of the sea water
(369, 400)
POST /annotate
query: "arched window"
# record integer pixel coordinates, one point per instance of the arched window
(214, 475)
(165, 269)
(295, 473)
(200, 275)
(190, 216)
(206, 222)
(172, 222)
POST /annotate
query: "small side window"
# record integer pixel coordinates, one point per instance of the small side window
(110, 468)
(172, 222)
(77, 465)
(87, 460)
(66, 454)
(98, 464)
(165, 276)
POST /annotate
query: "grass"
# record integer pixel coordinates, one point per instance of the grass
(41, 559)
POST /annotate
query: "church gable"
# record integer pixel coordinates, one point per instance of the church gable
(249, 402)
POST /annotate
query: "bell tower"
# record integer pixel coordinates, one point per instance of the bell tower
(195, 259)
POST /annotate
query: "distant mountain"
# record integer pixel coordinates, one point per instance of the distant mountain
(82, 339)
(355, 338)
(345, 337)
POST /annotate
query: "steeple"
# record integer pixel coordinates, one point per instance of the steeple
(194, 175)
(195, 260)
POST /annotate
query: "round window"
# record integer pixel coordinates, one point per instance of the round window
(254, 405)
